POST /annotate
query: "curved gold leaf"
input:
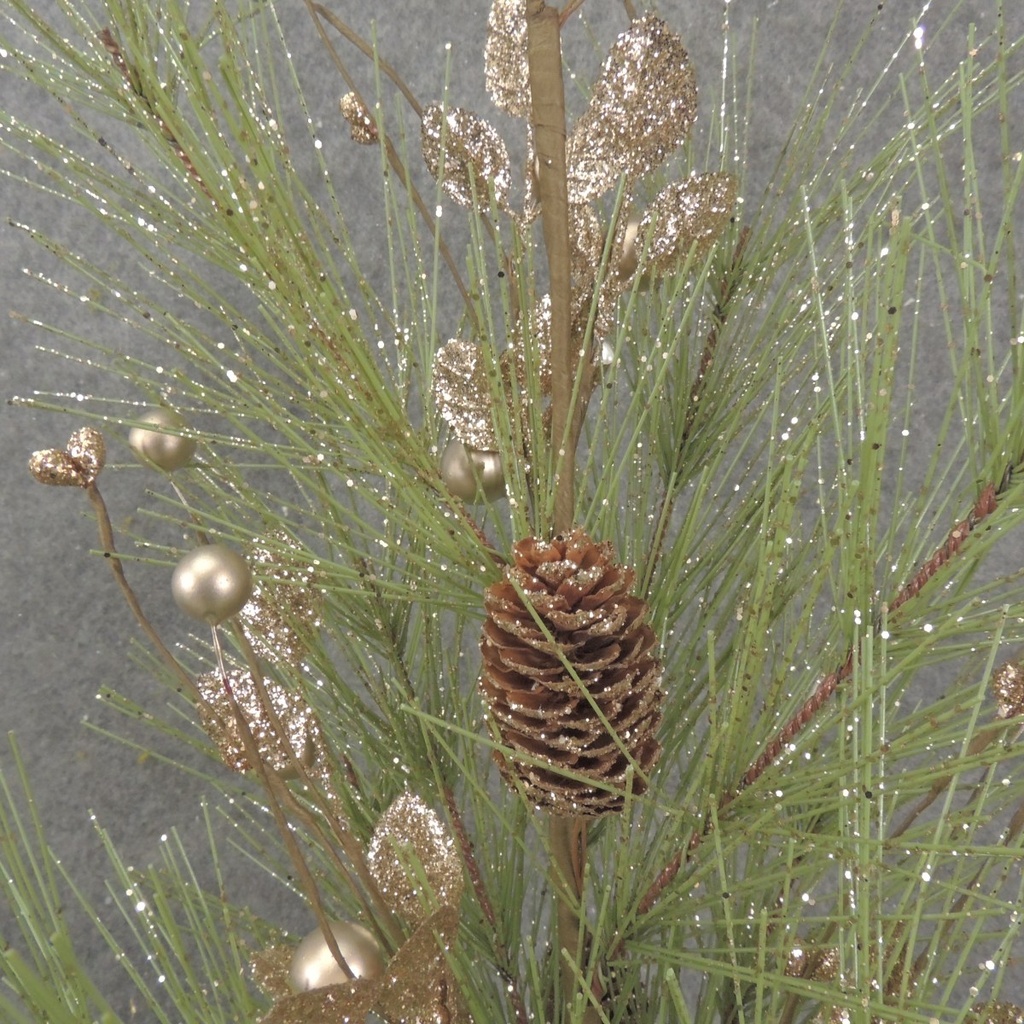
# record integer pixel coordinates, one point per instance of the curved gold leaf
(361, 125)
(418, 987)
(686, 216)
(462, 151)
(217, 715)
(463, 395)
(641, 109)
(286, 603)
(506, 71)
(410, 844)
(333, 1004)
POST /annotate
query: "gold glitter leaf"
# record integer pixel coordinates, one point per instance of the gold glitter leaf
(506, 68)
(687, 215)
(361, 125)
(462, 394)
(285, 605)
(218, 718)
(641, 109)
(818, 964)
(418, 987)
(1008, 689)
(470, 150)
(411, 846)
(88, 451)
(334, 1004)
(270, 969)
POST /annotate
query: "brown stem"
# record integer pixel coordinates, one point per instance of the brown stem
(548, 101)
(569, 10)
(568, 838)
(976, 746)
(390, 931)
(983, 507)
(368, 51)
(274, 789)
(110, 553)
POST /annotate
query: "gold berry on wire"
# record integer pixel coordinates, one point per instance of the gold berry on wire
(158, 440)
(212, 583)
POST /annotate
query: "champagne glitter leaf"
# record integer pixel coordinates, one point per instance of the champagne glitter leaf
(462, 394)
(506, 70)
(996, 1013)
(463, 152)
(410, 843)
(686, 215)
(218, 719)
(640, 110)
(334, 1004)
(270, 969)
(418, 987)
(56, 468)
(286, 604)
(361, 125)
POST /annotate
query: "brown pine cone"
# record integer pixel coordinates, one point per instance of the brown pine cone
(561, 604)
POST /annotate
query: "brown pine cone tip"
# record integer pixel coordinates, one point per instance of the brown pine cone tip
(573, 587)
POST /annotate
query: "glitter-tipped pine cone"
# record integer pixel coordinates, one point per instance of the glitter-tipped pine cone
(570, 677)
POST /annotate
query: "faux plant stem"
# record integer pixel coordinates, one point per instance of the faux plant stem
(110, 552)
(548, 104)
(544, 51)
(320, 14)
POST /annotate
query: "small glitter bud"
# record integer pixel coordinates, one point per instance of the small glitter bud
(361, 125)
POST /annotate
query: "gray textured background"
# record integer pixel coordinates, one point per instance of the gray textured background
(65, 630)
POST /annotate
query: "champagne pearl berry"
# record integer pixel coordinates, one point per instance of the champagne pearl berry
(313, 965)
(155, 447)
(472, 475)
(212, 583)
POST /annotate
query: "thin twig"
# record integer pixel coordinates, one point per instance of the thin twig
(114, 560)
(983, 507)
(132, 77)
(348, 843)
(569, 10)
(321, 14)
(274, 789)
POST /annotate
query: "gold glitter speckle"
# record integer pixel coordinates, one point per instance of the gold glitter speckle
(462, 394)
(77, 465)
(506, 68)
(218, 718)
(1008, 689)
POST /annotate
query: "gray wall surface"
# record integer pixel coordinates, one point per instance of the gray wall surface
(65, 631)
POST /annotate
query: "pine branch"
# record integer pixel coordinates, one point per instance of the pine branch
(134, 81)
(949, 549)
